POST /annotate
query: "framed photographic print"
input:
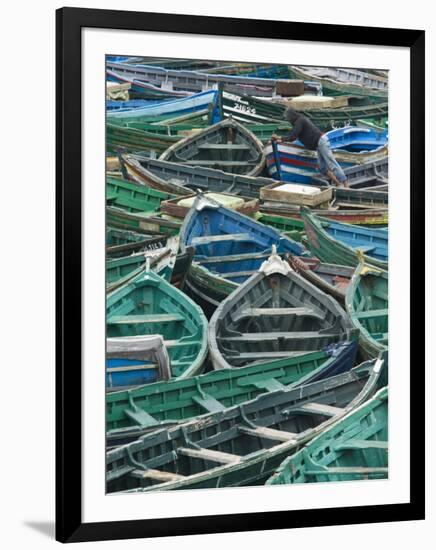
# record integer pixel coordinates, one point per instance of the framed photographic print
(240, 242)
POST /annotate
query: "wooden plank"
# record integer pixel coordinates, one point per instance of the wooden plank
(357, 444)
(359, 470)
(209, 403)
(372, 313)
(268, 433)
(320, 408)
(156, 475)
(140, 319)
(224, 146)
(218, 238)
(209, 454)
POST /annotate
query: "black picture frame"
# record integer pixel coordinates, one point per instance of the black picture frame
(69, 22)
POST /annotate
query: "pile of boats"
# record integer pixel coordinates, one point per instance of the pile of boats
(247, 297)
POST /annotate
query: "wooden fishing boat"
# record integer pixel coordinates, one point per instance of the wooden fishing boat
(354, 214)
(229, 247)
(136, 361)
(367, 304)
(149, 305)
(162, 260)
(290, 162)
(364, 176)
(131, 140)
(342, 244)
(131, 414)
(133, 197)
(146, 222)
(360, 198)
(195, 104)
(242, 445)
(144, 89)
(332, 279)
(275, 313)
(196, 81)
(291, 227)
(226, 145)
(355, 448)
(338, 80)
(182, 179)
(179, 206)
(122, 242)
(252, 110)
(355, 139)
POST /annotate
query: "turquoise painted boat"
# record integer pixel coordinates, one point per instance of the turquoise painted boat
(149, 305)
(130, 414)
(353, 449)
(343, 244)
(367, 305)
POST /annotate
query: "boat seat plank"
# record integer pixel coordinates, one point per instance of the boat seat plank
(131, 368)
(317, 408)
(206, 239)
(276, 312)
(224, 146)
(357, 444)
(372, 313)
(209, 403)
(268, 433)
(141, 417)
(267, 355)
(210, 455)
(268, 384)
(366, 249)
(232, 274)
(256, 336)
(234, 257)
(359, 470)
(156, 475)
(141, 319)
(221, 162)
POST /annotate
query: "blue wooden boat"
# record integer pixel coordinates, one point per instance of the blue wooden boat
(229, 248)
(355, 139)
(197, 103)
(146, 89)
(122, 106)
(290, 162)
(344, 244)
(134, 361)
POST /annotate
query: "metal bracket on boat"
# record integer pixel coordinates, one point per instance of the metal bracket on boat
(274, 264)
(133, 462)
(188, 442)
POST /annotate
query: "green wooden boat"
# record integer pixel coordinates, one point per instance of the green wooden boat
(134, 197)
(147, 222)
(355, 448)
(152, 406)
(367, 304)
(242, 445)
(149, 305)
(291, 227)
(132, 139)
(162, 260)
(343, 244)
(274, 314)
(343, 81)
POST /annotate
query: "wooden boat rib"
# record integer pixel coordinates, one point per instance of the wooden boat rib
(367, 305)
(274, 314)
(152, 406)
(149, 305)
(136, 361)
(229, 247)
(355, 448)
(226, 145)
(332, 279)
(182, 179)
(341, 244)
(242, 445)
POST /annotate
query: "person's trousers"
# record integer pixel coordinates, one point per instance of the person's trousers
(327, 160)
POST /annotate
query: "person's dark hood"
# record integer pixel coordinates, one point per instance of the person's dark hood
(291, 115)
